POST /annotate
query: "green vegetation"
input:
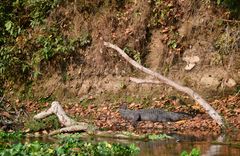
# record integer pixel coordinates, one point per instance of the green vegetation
(14, 135)
(46, 99)
(233, 5)
(227, 45)
(69, 146)
(15, 18)
(161, 14)
(227, 42)
(172, 44)
(194, 152)
(133, 54)
(158, 136)
(45, 124)
(27, 41)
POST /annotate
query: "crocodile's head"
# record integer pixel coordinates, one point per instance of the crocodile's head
(184, 115)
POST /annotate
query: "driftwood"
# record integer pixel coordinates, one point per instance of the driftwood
(215, 116)
(69, 124)
(57, 109)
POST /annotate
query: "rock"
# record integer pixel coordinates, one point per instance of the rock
(190, 66)
(45, 132)
(185, 29)
(27, 130)
(86, 87)
(191, 62)
(37, 134)
(210, 81)
(230, 83)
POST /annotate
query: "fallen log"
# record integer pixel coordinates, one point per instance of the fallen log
(209, 109)
(69, 124)
(57, 109)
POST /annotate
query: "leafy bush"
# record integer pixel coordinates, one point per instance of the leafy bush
(15, 18)
(14, 135)
(227, 43)
(233, 5)
(162, 13)
(69, 146)
(26, 42)
(194, 152)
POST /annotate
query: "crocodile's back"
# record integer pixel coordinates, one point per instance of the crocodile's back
(152, 115)
(149, 114)
(129, 114)
(150, 111)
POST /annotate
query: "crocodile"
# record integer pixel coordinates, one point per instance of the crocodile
(155, 115)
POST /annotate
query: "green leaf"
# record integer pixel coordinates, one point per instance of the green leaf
(9, 25)
(219, 2)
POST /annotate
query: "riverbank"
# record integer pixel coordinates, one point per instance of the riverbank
(106, 116)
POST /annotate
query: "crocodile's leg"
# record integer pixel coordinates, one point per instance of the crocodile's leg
(135, 119)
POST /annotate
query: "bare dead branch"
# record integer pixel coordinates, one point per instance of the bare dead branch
(215, 116)
(70, 124)
(140, 81)
(57, 109)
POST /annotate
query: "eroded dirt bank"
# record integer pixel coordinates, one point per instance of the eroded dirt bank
(187, 41)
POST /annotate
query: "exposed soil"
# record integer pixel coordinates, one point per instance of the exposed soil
(160, 43)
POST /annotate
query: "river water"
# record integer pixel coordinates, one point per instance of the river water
(173, 148)
(208, 146)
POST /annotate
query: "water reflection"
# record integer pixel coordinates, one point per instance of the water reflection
(174, 148)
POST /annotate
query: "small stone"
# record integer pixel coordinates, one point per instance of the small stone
(17, 101)
(191, 61)
(230, 83)
(210, 81)
(190, 66)
(45, 132)
(37, 134)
